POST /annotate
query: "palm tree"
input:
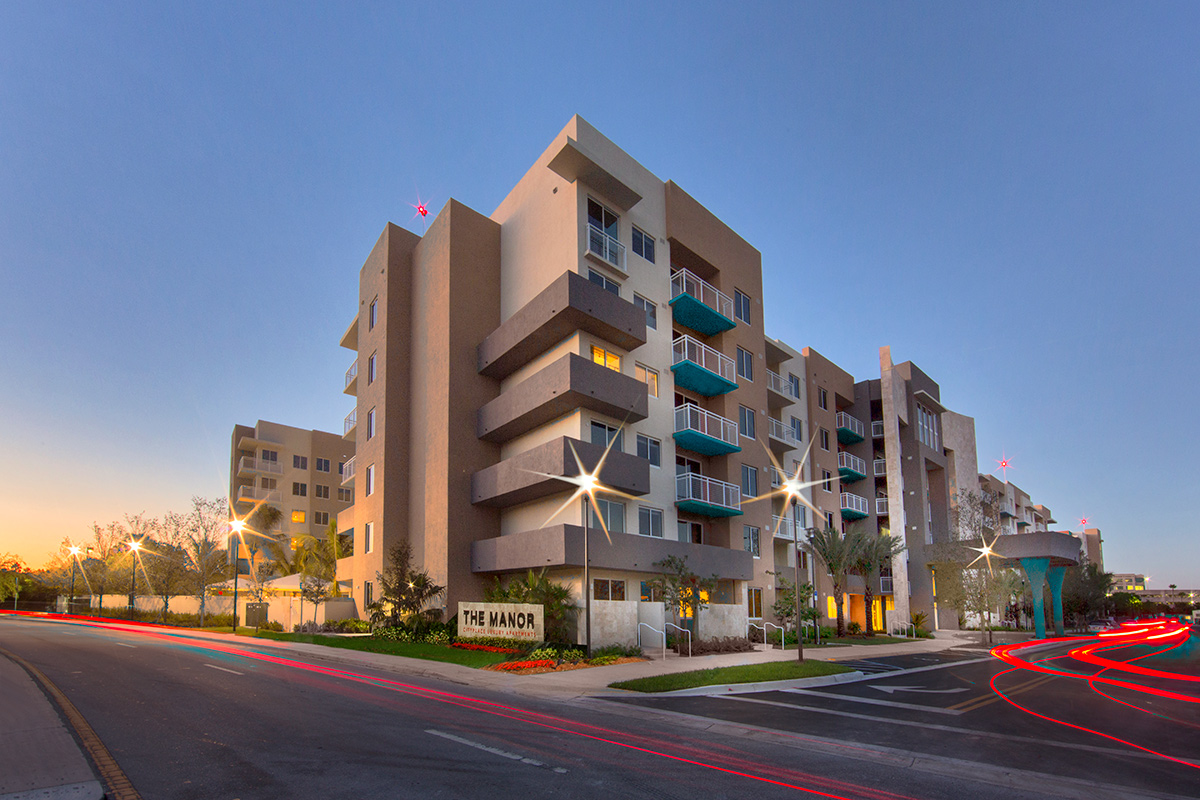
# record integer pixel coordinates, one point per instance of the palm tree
(839, 554)
(876, 553)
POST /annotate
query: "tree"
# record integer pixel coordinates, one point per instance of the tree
(558, 607)
(1085, 592)
(784, 607)
(259, 525)
(314, 589)
(875, 553)
(405, 593)
(106, 550)
(12, 571)
(204, 531)
(839, 554)
(683, 590)
(166, 564)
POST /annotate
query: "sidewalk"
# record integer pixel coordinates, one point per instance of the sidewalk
(38, 756)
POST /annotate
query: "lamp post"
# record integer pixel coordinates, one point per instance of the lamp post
(74, 561)
(796, 542)
(134, 547)
(237, 526)
(587, 588)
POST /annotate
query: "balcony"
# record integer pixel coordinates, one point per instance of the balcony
(851, 467)
(881, 506)
(705, 432)
(248, 465)
(850, 429)
(352, 380)
(606, 248)
(780, 390)
(708, 497)
(853, 506)
(701, 369)
(777, 477)
(699, 305)
(252, 494)
(348, 472)
(780, 436)
(877, 429)
(535, 473)
(349, 424)
(784, 528)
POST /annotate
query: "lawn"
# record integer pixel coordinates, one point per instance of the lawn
(429, 652)
(746, 673)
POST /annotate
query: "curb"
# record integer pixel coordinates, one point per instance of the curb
(742, 688)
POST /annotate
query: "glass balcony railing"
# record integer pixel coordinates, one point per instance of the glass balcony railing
(701, 368)
(606, 247)
(851, 467)
(699, 305)
(704, 432)
(708, 497)
(853, 506)
(849, 429)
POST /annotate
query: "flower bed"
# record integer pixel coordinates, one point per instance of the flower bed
(546, 665)
(485, 647)
(509, 666)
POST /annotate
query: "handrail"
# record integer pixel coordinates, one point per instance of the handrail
(352, 373)
(607, 247)
(763, 628)
(777, 384)
(690, 417)
(681, 630)
(847, 422)
(663, 633)
(351, 421)
(847, 460)
(684, 281)
(903, 631)
(694, 486)
(781, 431)
(685, 348)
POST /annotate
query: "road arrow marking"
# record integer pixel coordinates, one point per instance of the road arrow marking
(894, 689)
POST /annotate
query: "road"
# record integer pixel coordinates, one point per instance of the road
(187, 718)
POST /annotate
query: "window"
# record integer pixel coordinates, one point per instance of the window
(606, 358)
(270, 484)
(649, 449)
(750, 539)
(368, 534)
(749, 481)
(650, 522)
(612, 512)
(602, 434)
(345, 495)
(341, 468)
(299, 462)
(298, 517)
(651, 593)
(604, 283)
(643, 244)
(600, 217)
(829, 520)
(798, 429)
(371, 369)
(746, 422)
(605, 589)
(823, 399)
(320, 518)
(320, 491)
(827, 480)
(651, 309)
(927, 427)
(372, 314)
(270, 455)
(741, 306)
(300, 489)
(794, 382)
(824, 436)
(368, 593)
(745, 364)
(686, 466)
(369, 481)
(649, 377)
(371, 424)
(754, 599)
(690, 532)
(322, 465)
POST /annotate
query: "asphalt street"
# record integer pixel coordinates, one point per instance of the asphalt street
(193, 719)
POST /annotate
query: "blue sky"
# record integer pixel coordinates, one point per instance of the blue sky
(1006, 193)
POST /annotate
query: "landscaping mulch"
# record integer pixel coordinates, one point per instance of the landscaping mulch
(563, 667)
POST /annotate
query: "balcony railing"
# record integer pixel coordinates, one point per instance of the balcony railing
(778, 384)
(252, 464)
(348, 471)
(351, 421)
(877, 429)
(777, 477)
(782, 432)
(853, 506)
(850, 429)
(885, 584)
(784, 527)
(709, 496)
(719, 372)
(606, 247)
(256, 494)
(701, 430)
(850, 463)
(880, 467)
(686, 282)
(352, 373)
(881, 506)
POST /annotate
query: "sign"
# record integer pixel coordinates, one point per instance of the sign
(511, 620)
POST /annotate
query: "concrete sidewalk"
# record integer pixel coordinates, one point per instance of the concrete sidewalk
(39, 758)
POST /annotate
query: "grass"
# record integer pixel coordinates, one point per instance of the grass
(845, 640)
(429, 652)
(746, 673)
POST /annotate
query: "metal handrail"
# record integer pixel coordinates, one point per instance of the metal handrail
(607, 247)
(903, 631)
(880, 466)
(662, 633)
(853, 424)
(881, 507)
(690, 417)
(352, 373)
(781, 431)
(852, 502)
(783, 524)
(877, 429)
(684, 281)
(681, 630)
(694, 486)
(763, 628)
(259, 465)
(348, 470)
(685, 348)
(776, 383)
(850, 461)
(351, 421)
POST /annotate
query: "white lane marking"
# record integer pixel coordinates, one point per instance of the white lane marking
(223, 669)
(894, 689)
(874, 702)
(122, 644)
(493, 750)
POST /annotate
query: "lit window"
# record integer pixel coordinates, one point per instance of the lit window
(298, 517)
(649, 377)
(746, 422)
(649, 449)
(750, 539)
(745, 364)
(606, 358)
(604, 283)
(651, 309)
(650, 522)
(741, 306)
(643, 244)
(749, 481)
(754, 597)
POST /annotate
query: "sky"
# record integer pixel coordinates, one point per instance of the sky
(1007, 194)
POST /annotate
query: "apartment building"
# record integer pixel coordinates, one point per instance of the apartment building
(298, 471)
(1093, 546)
(598, 307)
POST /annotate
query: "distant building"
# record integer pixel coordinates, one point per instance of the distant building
(1128, 582)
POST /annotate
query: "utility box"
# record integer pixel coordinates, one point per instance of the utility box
(256, 615)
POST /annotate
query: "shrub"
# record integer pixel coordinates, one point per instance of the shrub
(854, 629)
(520, 645)
(272, 626)
(727, 644)
(620, 651)
(603, 661)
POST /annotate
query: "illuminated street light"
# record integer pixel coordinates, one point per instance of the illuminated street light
(134, 547)
(238, 526)
(74, 560)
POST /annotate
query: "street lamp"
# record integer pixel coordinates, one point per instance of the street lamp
(74, 561)
(588, 483)
(134, 547)
(237, 526)
(793, 492)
